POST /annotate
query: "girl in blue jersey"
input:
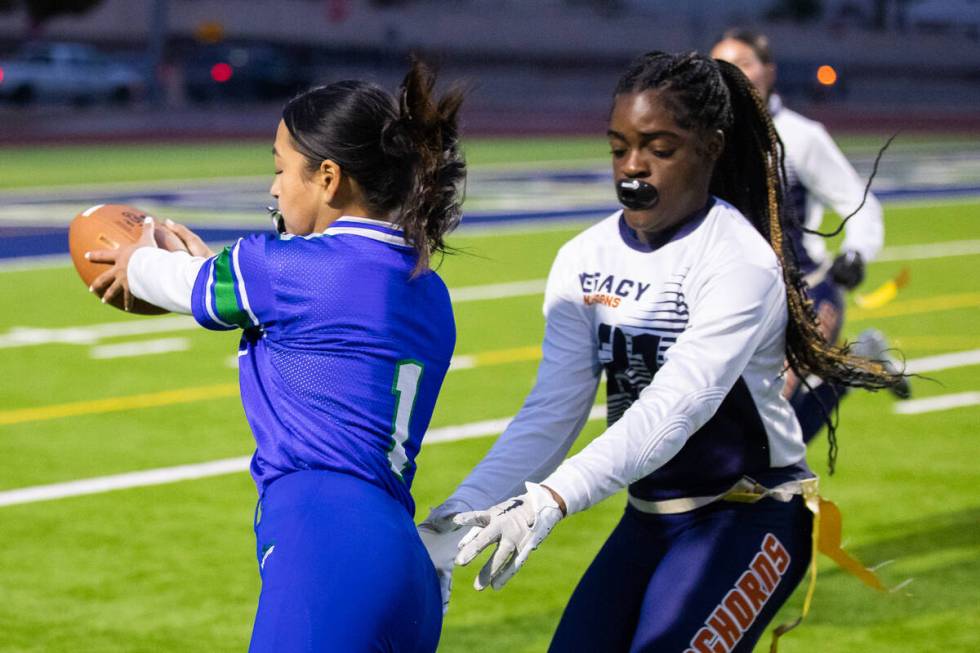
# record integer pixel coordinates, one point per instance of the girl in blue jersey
(689, 300)
(347, 335)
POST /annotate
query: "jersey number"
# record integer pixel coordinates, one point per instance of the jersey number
(408, 373)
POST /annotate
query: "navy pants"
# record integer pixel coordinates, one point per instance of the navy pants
(343, 569)
(705, 581)
(813, 405)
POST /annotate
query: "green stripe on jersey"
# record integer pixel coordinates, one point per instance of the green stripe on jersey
(225, 301)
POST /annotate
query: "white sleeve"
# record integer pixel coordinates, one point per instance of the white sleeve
(731, 316)
(164, 279)
(831, 179)
(555, 411)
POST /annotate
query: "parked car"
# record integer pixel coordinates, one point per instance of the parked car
(243, 72)
(72, 72)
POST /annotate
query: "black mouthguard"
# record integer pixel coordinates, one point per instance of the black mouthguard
(278, 223)
(636, 195)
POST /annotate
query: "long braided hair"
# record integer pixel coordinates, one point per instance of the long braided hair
(704, 95)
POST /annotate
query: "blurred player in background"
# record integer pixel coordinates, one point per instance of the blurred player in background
(818, 175)
(689, 303)
(347, 337)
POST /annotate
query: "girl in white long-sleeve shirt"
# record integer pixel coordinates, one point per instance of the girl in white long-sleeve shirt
(690, 300)
(818, 175)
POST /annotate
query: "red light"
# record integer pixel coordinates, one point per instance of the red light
(221, 72)
(826, 75)
(1, 75)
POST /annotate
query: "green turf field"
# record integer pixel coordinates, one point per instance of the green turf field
(59, 165)
(172, 567)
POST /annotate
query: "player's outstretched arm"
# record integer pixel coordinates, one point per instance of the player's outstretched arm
(737, 307)
(831, 178)
(517, 526)
(540, 435)
(441, 537)
(558, 406)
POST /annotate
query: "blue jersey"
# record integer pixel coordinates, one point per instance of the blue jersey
(343, 350)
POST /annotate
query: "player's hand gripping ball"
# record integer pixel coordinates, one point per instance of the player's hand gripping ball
(110, 227)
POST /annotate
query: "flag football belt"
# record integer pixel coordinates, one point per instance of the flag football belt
(826, 530)
(744, 491)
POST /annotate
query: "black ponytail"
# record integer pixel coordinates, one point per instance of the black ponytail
(429, 127)
(403, 152)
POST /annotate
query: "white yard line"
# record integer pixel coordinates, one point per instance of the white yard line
(29, 263)
(164, 475)
(462, 362)
(445, 434)
(497, 291)
(943, 361)
(942, 402)
(484, 428)
(894, 253)
(91, 334)
(139, 348)
(929, 202)
(144, 478)
(930, 250)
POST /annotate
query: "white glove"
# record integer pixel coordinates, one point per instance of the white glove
(441, 539)
(519, 525)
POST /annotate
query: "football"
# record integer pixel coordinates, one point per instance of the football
(108, 226)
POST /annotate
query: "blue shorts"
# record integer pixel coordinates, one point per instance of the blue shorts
(703, 581)
(343, 569)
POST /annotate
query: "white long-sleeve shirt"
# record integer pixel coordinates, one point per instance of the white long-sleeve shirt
(819, 176)
(164, 279)
(692, 339)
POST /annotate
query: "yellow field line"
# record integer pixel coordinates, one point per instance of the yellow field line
(937, 342)
(496, 357)
(114, 404)
(915, 306)
(503, 356)
(201, 393)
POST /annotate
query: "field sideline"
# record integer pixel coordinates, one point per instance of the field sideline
(171, 567)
